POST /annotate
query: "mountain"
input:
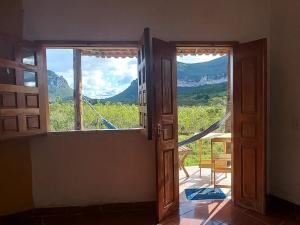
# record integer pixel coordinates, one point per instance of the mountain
(129, 95)
(58, 87)
(198, 83)
(185, 95)
(199, 74)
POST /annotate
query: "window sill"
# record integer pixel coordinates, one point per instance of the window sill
(54, 133)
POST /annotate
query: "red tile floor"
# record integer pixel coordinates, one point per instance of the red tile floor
(209, 212)
(191, 213)
(219, 212)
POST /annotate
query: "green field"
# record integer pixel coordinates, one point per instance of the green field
(191, 119)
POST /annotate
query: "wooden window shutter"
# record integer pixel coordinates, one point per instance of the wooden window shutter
(23, 91)
(144, 84)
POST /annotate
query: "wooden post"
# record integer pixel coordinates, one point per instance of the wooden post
(77, 89)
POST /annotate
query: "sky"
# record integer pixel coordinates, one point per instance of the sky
(103, 77)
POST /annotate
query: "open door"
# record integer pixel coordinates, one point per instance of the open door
(249, 124)
(165, 122)
(23, 91)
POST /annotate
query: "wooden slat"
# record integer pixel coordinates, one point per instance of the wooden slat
(14, 65)
(19, 111)
(18, 89)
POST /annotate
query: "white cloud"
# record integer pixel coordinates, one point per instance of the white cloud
(106, 77)
(196, 58)
(102, 77)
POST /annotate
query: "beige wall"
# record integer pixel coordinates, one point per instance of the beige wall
(214, 20)
(96, 167)
(285, 107)
(125, 20)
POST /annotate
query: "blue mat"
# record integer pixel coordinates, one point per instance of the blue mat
(204, 193)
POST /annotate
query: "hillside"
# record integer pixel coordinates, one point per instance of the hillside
(58, 87)
(199, 74)
(185, 95)
(198, 83)
(129, 95)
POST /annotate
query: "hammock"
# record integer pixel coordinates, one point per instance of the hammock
(210, 129)
(195, 137)
(107, 123)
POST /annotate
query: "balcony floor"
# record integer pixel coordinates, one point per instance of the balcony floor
(195, 181)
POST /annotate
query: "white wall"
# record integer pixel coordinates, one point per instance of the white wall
(125, 20)
(63, 163)
(95, 167)
(285, 107)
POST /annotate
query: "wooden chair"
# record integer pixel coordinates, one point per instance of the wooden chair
(221, 164)
(183, 152)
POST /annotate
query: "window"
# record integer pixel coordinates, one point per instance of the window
(92, 88)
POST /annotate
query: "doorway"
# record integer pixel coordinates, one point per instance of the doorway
(158, 118)
(204, 98)
(247, 160)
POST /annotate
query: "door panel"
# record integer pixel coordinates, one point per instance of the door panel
(165, 114)
(23, 94)
(249, 124)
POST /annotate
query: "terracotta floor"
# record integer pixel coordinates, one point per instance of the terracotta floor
(191, 213)
(214, 212)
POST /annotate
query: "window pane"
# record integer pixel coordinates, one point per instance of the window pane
(30, 79)
(7, 76)
(110, 89)
(109, 85)
(28, 57)
(60, 89)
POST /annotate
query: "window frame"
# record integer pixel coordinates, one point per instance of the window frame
(57, 44)
(75, 43)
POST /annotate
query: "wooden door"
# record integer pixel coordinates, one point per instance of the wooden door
(165, 114)
(23, 91)
(144, 84)
(249, 124)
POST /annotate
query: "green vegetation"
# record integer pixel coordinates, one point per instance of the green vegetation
(201, 97)
(192, 119)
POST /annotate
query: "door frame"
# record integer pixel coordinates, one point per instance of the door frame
(227, 44)
(231, 45)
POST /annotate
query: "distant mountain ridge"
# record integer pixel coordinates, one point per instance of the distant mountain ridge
(197, 83)
(199, 74)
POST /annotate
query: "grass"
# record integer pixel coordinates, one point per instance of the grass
(191, 119)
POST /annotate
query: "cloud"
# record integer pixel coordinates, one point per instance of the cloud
(101, 77)
(196, 58)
